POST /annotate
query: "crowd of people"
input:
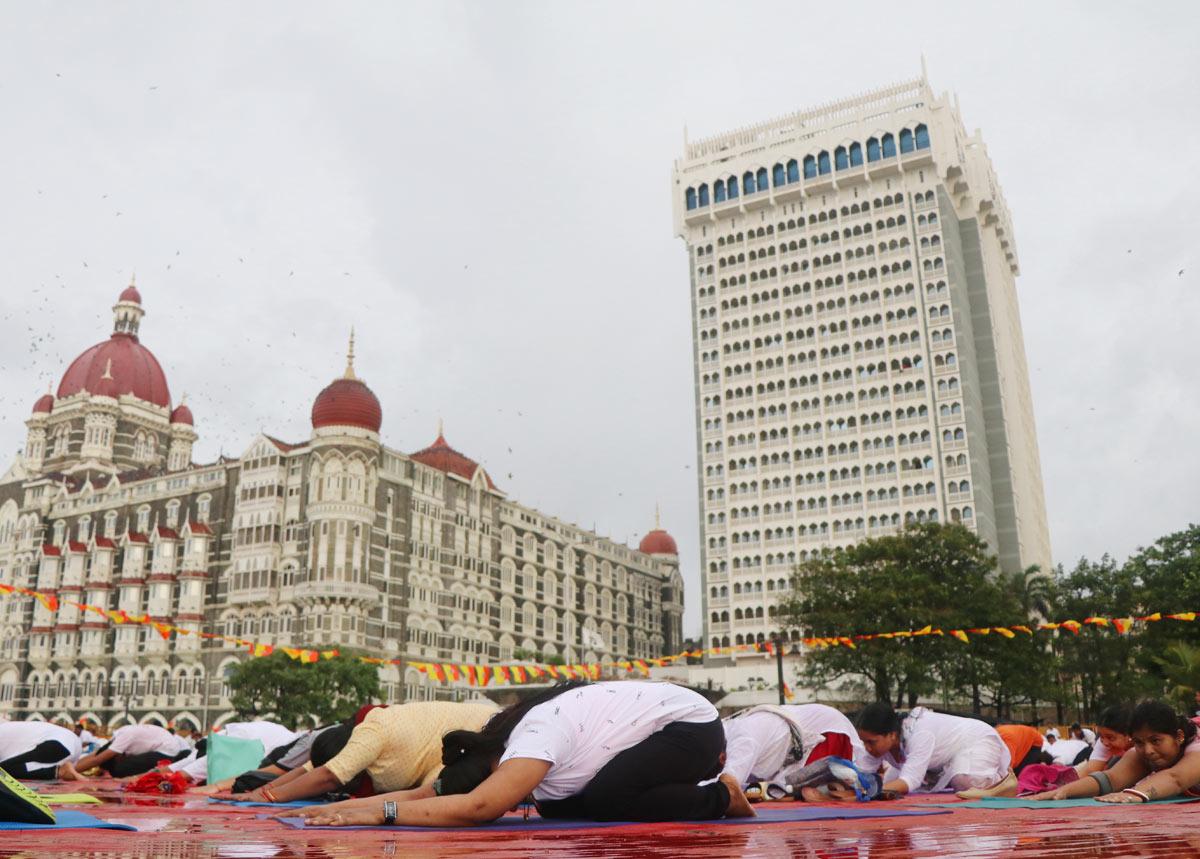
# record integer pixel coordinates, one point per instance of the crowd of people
(629, 750)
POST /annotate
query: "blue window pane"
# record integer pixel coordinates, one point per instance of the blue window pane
(855, 155)
(778, 178)
(719, 191)
(762, 178)
(691, 198)
(840, 159)
(823, 163)
(793, 171)
(747, 182)
(872, 149)
(906, 141)
(810, 167)
(922, 137)
(733, 187)
(704, 195)
(889, 146)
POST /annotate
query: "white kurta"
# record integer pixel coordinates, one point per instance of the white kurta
(938, 751)
(17, 738)
(757, 743)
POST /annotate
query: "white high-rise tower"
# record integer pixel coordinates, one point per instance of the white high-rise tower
(859, 356)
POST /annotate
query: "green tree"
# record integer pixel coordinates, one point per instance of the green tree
(929, 574)
(1181, 667)
(293, 693)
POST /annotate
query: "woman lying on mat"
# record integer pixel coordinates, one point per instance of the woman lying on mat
(392, 748)
(1112, 743)
(1164, 762)
(622, 750)
(770, 744)
(926, 752)
(279, 761)
(39, 750)
(135, 749)
(272, 735)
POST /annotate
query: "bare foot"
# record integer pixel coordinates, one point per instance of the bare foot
(67, 772)
(739, 806)
(812, 794)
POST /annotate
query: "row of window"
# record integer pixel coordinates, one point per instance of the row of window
(820, 164)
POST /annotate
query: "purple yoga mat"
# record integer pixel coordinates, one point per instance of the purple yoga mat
(801, 814)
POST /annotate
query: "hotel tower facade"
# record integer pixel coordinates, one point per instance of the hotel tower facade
(859, 361)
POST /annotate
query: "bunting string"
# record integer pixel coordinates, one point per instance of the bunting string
(542, 672)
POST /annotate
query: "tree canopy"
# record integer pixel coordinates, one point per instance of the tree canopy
(294, 694)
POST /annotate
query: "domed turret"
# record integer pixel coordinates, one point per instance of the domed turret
(443, 457)
(658, 541)
(347, 402)
(44, 404)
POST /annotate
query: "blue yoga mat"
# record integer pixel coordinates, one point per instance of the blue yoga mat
(297, 803)
(800, 814)
(997, 802)
(68, 820)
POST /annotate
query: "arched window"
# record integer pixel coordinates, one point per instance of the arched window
(922, 136)
(889, 146)
(778, 176)
(856, 155)
(747, 182)
(762, 179)
(840, 159)
(703, 194)
(719, 191)
(823, 163)
(810, 167)
(733, 188)
(793, 171)
(689, 195)
(872, 149)
(906, 140)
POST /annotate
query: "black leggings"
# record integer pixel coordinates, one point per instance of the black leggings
(123, 766)
(655, 780)
(39, 755)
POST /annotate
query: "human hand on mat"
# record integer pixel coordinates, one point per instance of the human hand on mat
(327, 816)
(1058, 793)
(1121, 798)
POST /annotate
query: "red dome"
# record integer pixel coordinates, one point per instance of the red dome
(658, 542)
(347, 403)
(130, 293)
(182, 415)
(443, 457)
(119, 365)
(43, 405)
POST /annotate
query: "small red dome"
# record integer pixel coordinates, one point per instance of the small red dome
(347, 403)
(658, 542)
(43, 405)
(130, 293)
(119, 365)
(443, 457)
(182, 415)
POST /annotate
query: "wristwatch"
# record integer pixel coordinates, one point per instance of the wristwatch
(389, 813)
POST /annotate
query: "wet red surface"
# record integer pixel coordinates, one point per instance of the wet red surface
(189, 827)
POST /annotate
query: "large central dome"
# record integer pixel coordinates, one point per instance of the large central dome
(121, 364)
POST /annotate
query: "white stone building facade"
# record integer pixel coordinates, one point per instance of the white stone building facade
(859, 359)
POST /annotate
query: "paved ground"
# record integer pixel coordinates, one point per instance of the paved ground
(191, 828)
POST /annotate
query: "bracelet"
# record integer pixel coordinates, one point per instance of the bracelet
(1103, 780)
(268, 795)
(1135, 792)
(389, 812)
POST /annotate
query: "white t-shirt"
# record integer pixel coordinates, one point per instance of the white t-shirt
(138, 739)
(1100, 752)
(582, 730)
(1089, 736)
(757, 744)
(934, 746)
(1064, 752)
(17, 738)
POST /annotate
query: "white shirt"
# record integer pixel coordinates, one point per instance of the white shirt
(929, 742)
(1089, 736)
(17, 738)
(1064, 752)
(757, 744)
(1100, 752)
(582, 730)
(270, 734)
(138, 739)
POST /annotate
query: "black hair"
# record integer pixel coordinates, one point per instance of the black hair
(1162, 719)
(1116, 718)
(467, 755)
(878, 718)
(329, 742)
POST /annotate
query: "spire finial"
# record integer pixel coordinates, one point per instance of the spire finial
(349, 374)
(133, 279)
(441, 430)
(657, 518)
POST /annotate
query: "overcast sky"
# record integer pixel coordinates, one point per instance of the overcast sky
(482, 190)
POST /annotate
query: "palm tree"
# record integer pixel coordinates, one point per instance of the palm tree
(1181, 667)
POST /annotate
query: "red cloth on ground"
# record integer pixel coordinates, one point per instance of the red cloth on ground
(833, 746)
